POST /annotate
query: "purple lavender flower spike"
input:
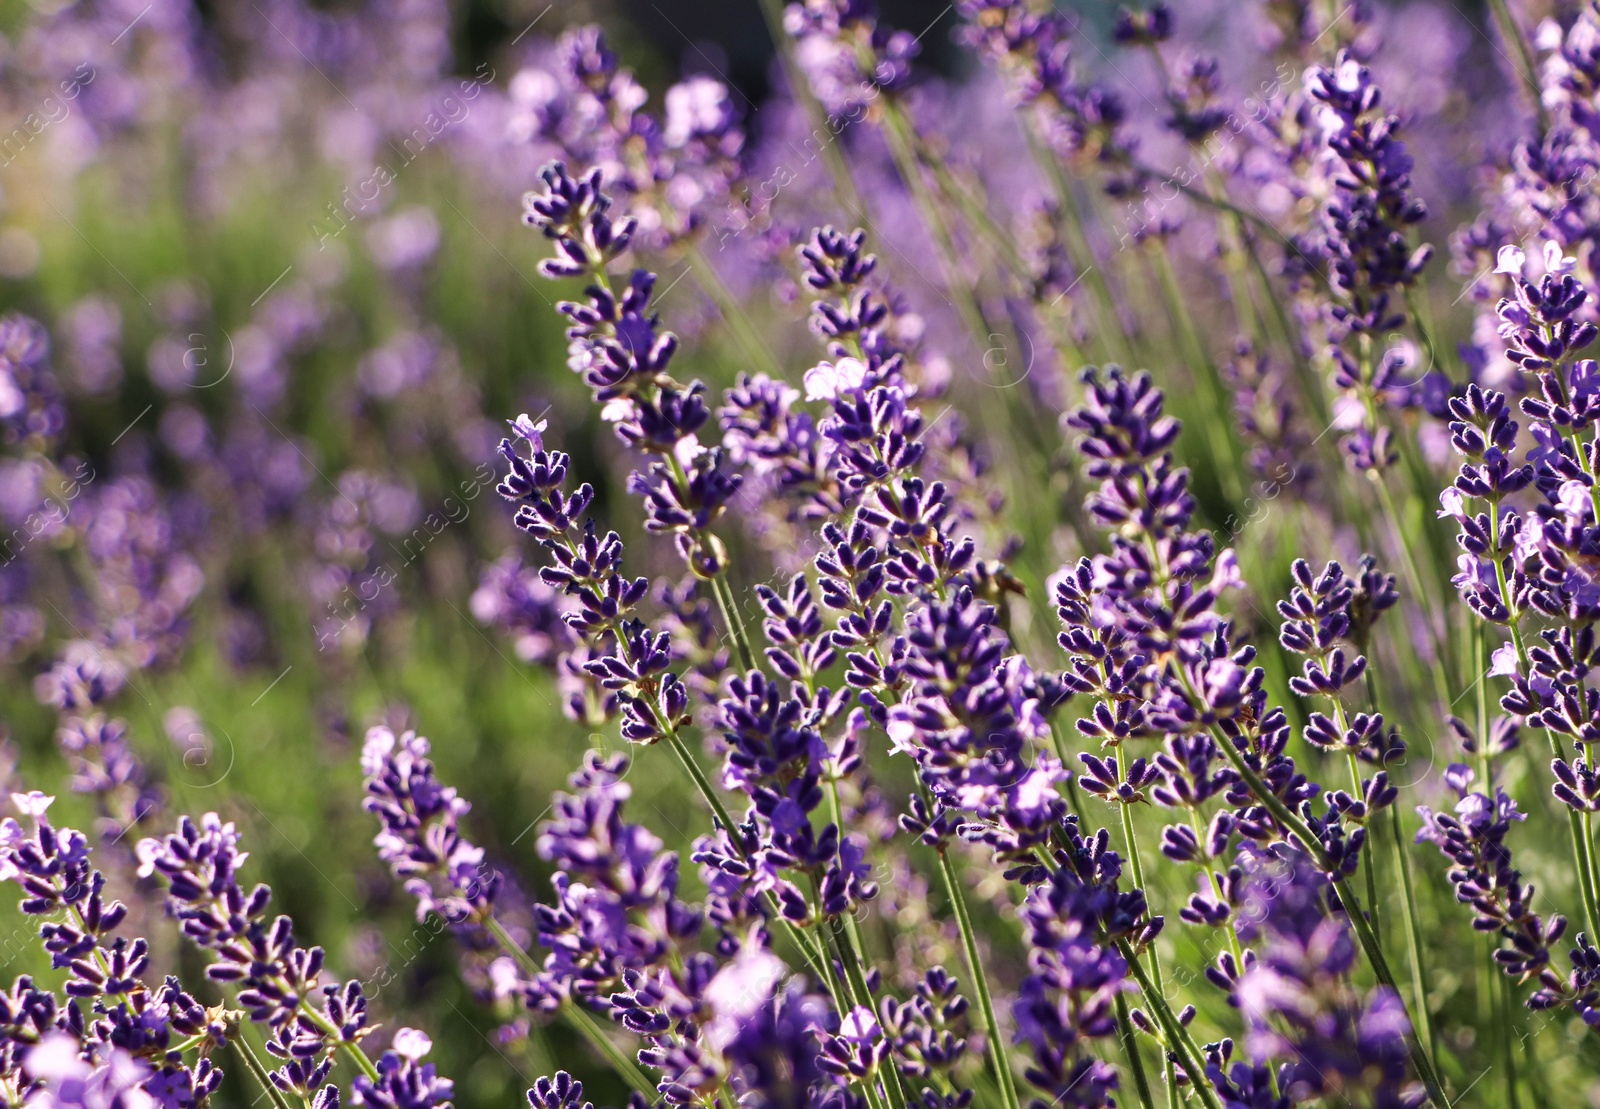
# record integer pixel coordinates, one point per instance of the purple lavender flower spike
(421, 838)
(1075, 972)
(1082, 120)
(279, 982)
(126, 1046)
(1484, 876)
(1362, 240)
(404, 1081)
(1331, 1040)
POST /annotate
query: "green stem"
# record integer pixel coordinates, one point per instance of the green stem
(1580, 829)
(1136, 864)
(972, 208)
(1530, 76)
(1130, 1045)
(356, 1055)
(1367, 860)
(1402, 864)
(1413, 928)
(730, 616)
(969, 941)
(1233, 257)
(719, 585)
(1310, 388)
(627, 1069)
(253, 1065)
(1421, 1058)
(892, 1090)
(1074, 799)
(1224, 447)
(897, 134)
(901, 137)
(733, 314)
(870, 1089)
(577, 1018)
(1506, 1026)
(1408, 562)
(1178, 1038)
(1220, 203)
(703, 784)
(1493, 986)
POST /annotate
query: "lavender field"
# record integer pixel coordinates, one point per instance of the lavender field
(761, 557)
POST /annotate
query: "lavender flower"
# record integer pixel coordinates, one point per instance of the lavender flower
(132, 1044)
(1473, 839)
(32, 410)
(105, 765)
(421, 839)
(516, 601)
(673, 168)
(1334, 1042)
(615, 343)
(404, 1081)
(846, 54)
(1362, 239)
(1081, 120)
(1075, 972)
(278, 981)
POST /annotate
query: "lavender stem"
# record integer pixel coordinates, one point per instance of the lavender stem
(1178, 1038)
(997, 1050)
(579, 1020)
(258, 1071)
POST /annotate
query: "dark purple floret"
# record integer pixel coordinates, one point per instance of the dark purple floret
(403, 1081)
(559, 1092)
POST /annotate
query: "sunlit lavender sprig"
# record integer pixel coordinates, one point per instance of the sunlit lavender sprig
(96, 747)
(627, 658)
(672, 168)
(616, 344)
(1537, 190)
(1183, 665)
(133, 1036)
(823, 464)
(278, 982)
(1362, 239)
(421, 838)
(1518, 564)
(1473, 839)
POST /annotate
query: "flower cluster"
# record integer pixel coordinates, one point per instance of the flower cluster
(112, 1033)
(592, 111)
(278, 982)
(1329, 1040)
(1033, 49)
